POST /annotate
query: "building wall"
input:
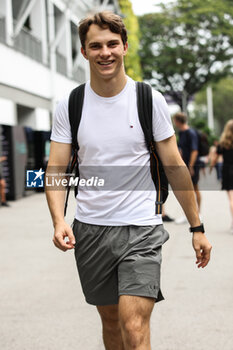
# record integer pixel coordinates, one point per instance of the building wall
(37, 68)
(7, 112)
(24, 73)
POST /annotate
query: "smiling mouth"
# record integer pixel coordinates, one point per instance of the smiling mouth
(107, 63)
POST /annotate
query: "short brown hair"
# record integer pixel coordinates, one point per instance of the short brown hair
(105, 19)
(180, 117)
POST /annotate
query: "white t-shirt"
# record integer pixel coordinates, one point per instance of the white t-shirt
(111, 142)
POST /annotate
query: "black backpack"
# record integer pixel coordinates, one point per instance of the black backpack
(203, 143)
(144, 105)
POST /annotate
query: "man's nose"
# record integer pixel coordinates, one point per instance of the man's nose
(105, 51)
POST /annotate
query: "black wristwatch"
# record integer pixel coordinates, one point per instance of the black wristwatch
(199, 228)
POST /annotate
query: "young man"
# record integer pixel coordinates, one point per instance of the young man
(188, 146)
(116, 235)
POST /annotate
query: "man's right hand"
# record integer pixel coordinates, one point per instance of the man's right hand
(62, 231)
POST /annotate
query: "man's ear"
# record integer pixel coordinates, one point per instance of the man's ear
(125, 48)
(84, 53)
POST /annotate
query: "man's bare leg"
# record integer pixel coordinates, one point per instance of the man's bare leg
(111, 327)
(134, 313)
(230, 196)
(2, 190)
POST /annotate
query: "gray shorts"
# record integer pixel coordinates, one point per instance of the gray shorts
(118, 260)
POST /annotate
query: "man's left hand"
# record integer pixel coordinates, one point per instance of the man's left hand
(202, 248)
(191, 170)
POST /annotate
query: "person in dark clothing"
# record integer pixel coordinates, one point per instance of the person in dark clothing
(225, 148)
(188, 146)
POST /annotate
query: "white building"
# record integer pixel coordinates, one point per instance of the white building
(40, 56)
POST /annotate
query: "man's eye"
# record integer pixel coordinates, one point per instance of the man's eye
(113, 44)
(95, 46)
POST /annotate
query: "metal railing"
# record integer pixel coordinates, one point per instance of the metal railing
(61, 64)
(2, 30)
(30, 46)
(26, 43)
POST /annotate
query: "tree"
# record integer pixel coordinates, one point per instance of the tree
(187, 45)
(132, 59)
(222, 102)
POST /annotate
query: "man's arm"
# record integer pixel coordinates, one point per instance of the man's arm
(192, 161)
(213, 161)
(181, 183)
(58, 160)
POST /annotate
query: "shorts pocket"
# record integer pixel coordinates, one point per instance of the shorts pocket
(119, 240)
(165, 236)
(159, 236)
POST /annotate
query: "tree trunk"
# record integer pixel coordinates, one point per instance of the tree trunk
(185, 102)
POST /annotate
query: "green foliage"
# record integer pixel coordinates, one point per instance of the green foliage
(132, 59)
(187, 45)
(222, 102)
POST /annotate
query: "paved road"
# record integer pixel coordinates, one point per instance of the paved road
(41, 302)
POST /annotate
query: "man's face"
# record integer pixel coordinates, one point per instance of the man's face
(105, 52)
(178, 125)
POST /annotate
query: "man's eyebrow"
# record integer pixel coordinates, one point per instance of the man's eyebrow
(99, 43)
(113, 41)
(93, 43)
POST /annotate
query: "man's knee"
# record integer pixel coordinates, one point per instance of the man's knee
(135, 315)
(109, 317)
(134, 331)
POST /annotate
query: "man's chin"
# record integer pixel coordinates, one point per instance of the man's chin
(107, 74)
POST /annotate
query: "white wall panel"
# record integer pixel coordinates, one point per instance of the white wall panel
(20, 71)
(7, 112)
(42, 119)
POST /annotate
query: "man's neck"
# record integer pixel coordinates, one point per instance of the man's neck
(184, 127)
(109, 87)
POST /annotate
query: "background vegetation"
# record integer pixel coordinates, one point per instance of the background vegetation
(132, 59)
(187, 46)
(222, 102)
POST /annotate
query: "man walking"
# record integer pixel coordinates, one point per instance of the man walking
(188, 146)
(116, 234)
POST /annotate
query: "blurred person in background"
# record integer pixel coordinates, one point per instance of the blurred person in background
(2, 185)
(188, 146)
(212, 156)
(165, 216)
(225, 149)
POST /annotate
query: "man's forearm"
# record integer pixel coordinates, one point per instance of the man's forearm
(181, 183)
(55, 192)
(193, 158)
(56, 200)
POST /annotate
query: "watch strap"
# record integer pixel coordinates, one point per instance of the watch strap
(199, 228)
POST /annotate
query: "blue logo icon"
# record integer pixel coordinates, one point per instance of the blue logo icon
(35, 178)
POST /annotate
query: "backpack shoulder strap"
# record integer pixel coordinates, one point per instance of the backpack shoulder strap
(145, 108)
(75, 106)
(145, 113)
(75, 112)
